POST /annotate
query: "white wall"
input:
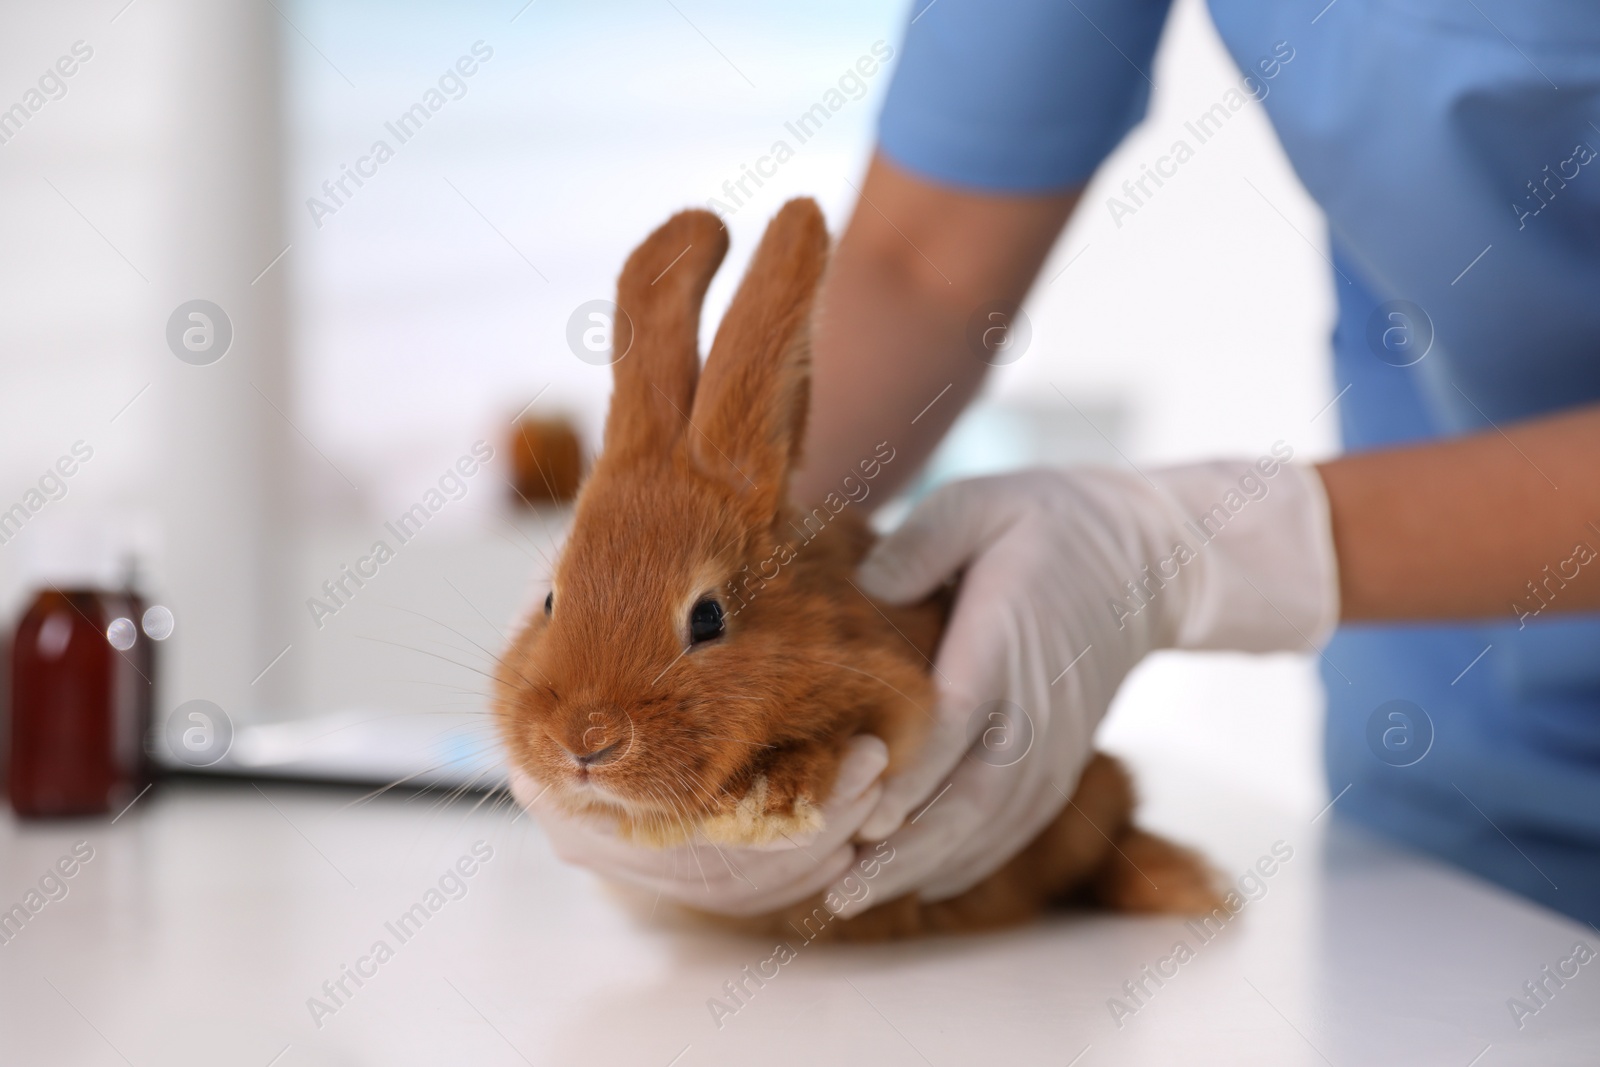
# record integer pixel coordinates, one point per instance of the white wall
(433, 305)
(151, 181)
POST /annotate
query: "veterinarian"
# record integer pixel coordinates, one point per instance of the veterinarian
(1441, 569)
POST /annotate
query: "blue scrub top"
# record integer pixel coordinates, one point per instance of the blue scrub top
(1453, 146)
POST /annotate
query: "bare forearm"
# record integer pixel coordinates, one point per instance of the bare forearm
(1467, 528)
(1472, 527)
(890, 357)
(885, 347)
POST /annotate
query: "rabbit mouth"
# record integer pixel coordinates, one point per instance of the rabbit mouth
(585, 787)
(599, 797)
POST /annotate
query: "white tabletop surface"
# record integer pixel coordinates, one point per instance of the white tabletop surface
(211, 912)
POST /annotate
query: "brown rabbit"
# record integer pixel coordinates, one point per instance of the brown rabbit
(704, 657)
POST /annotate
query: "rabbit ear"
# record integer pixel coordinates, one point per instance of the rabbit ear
(657, 332)
(750, 409)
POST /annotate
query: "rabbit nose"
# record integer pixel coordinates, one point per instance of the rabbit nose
(595, 734)
(599, 756)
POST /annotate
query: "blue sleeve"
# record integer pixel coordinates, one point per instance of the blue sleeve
(1018, 95)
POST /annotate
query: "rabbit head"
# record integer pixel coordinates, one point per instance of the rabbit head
(651, 685)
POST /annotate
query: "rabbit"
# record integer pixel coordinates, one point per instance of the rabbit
(703, 656)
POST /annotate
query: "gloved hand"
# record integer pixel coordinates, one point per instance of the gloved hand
(718, 879)
(1071, 578)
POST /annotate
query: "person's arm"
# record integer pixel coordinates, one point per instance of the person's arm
(1460, 528)
(1072, 576)
(1446, 529)
(916, 261)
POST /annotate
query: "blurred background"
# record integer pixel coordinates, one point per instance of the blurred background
(381, 330)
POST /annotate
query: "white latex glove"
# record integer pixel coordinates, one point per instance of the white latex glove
(1071, 578)
(720, 879)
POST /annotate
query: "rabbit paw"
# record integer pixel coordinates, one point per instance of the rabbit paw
(764, 815)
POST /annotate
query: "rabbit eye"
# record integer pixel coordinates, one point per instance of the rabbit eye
(705, 621)
(549, 603)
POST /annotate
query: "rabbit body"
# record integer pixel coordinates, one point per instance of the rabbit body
(705, 655)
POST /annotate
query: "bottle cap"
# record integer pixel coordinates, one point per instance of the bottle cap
(75, 552)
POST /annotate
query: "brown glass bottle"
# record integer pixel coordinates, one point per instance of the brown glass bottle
(80, 708)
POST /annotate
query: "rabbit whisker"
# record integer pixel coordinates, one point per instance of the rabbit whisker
(739, 740)
(874, 677)
(497, 659)
(425, 652)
